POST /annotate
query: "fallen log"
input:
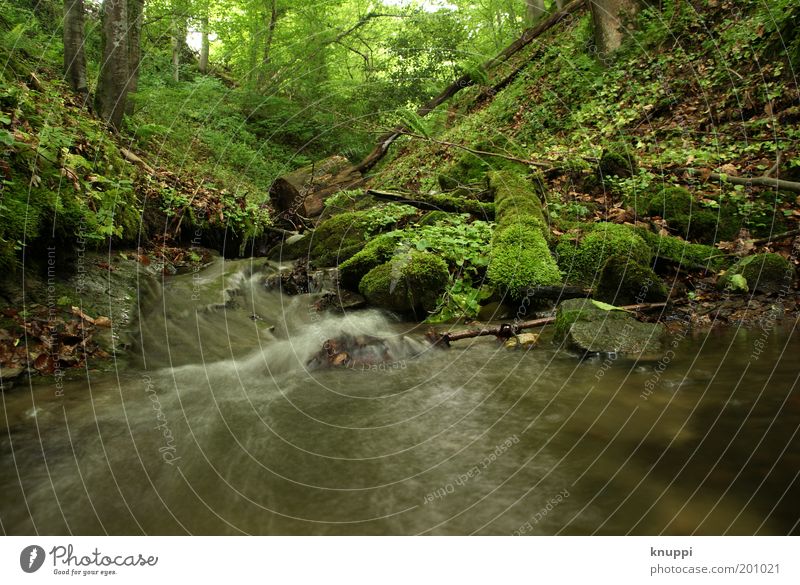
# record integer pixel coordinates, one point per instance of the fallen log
(438, 202)
(507, 330)
(466, 80)
(305, 190)
(748, 182)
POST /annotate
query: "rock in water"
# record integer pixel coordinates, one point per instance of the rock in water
(522, 341)
(593, 327)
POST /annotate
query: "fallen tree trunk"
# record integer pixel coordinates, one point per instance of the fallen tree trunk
(506, 330)
(438, 203)
(466, 80)
(749, 182)
(305, 190)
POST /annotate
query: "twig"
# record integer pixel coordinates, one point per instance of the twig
(776, 237)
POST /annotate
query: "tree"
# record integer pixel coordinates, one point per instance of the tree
(135, 14)
(204, 44)
(74, 58)
(608, 17)
(112, 84)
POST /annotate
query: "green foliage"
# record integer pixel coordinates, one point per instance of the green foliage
(462, 299)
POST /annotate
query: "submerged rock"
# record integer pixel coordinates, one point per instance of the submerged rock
(591, 328)
(522, 341)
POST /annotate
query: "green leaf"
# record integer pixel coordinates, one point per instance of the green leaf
(6, 138)
(606, 306)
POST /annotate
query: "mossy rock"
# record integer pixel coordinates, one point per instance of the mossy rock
(617, 163)
(291, 248)
(683, 253)
(409, 283)
(589, 328)
(623, 282)
(582, 256)
(686, 217)
(375, 253)
(766, 273)
(343, 235)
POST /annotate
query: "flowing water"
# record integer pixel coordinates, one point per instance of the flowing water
(216, 424)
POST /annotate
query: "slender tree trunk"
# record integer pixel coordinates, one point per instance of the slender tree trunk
(74, 58)
(178, 43)
(536, 11)
(204, 46)
(135, 13)
(273, 20)
(112, 85)
(608, 17)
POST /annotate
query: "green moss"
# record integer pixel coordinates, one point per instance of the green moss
(514, 196)
(686, 217)
(522, 263)
(623, 282)
(582, 255)
(520, 257)
(617, 163)
(342, 236)
(683, 253)
(433, 217)
(408, 283)
(768, 273)
(375, 253)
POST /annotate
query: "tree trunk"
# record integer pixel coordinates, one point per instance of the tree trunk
(609, 17)
(305, 190)
(273, 20)
(74, 58)
(204, 46)
(386, 140)
(178, 42)
(112, 85)
(135, 13)
(536, 11)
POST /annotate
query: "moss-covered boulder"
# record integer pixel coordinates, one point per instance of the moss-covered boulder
(623, 282)
(590, 327)
(520, 259)
(376, 252)
(686, 217)
(617, 163)
(583, 253)
(766, 273)
(408, 283)
(343, 235)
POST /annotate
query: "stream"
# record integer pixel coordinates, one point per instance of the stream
(213, 423)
